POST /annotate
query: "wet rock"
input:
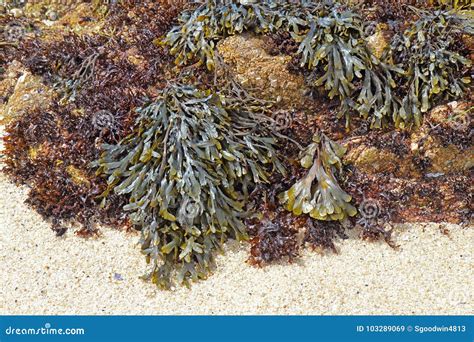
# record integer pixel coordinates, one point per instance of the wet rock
(445, 138)
(373, 160)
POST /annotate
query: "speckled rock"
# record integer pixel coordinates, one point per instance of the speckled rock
(22, 92)
(445, 157)
(372, 160)
(255, 68)
(380, 40)
(441, 157)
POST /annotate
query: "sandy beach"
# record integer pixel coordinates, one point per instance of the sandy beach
(431, 273)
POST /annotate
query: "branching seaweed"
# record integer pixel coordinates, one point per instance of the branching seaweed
(435, 69)
(101, 79)
(324, 200)
(186, 169)
(334, 48)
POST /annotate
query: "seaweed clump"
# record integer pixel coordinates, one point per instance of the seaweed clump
(275, 236)
(437, 70)
(332, 47)
(324, 200)
(47, 152)
(281, 231)
(331, 44)
(186, 170)
(198, 31)
(99, 80)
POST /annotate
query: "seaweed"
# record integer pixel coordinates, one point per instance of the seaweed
(325, 200)
(99, 85)
(275, 237)
(436, 68)
(45, 151)
(332, 45)
(186, 170)
(336, 40)
(199, 29)
(330, 37)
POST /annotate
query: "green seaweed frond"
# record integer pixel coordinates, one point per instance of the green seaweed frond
(318, 193)
(186, 169)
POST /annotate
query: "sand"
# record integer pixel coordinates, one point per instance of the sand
(432, 273)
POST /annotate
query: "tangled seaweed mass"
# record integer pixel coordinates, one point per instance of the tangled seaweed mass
(147, 127)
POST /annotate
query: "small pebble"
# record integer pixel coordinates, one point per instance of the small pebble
(16, 12)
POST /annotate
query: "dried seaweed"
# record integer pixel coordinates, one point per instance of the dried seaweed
(46, 151)
(187, 168)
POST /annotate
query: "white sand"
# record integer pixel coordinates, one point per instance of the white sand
(43, 274)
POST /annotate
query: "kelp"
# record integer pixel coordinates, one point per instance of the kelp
(437, 70)
(186, 170)
(323, 200)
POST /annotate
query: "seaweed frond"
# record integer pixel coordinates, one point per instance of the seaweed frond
(318, 193)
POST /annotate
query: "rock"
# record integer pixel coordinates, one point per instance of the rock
(22, 92)
(255, 68)
(16, 12)
(379, 41)
(440, 151)
(373, 160)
